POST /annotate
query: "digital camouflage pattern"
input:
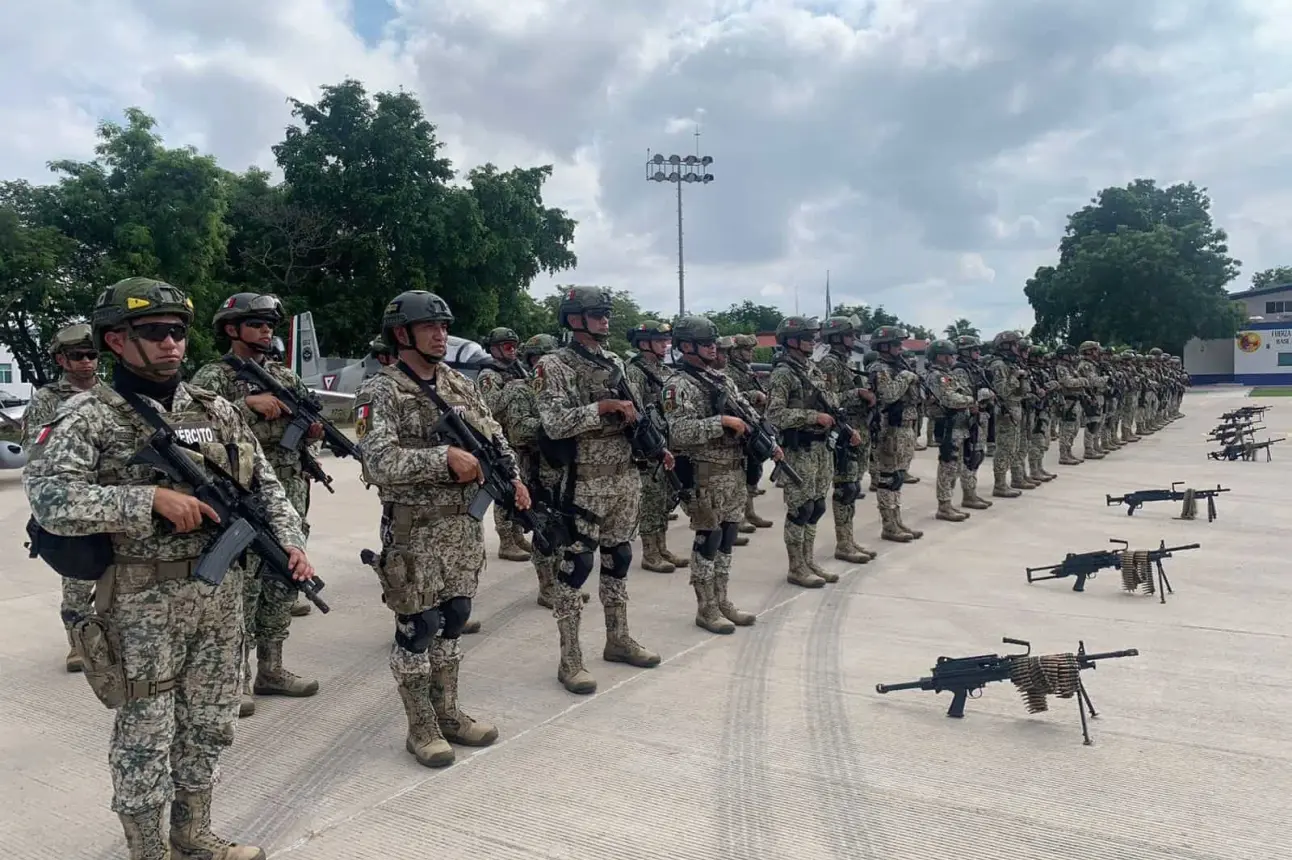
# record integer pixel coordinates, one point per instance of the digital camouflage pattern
(1074, 388)
(649, 378)
(949, 413)
(172, 627)
(897, 395)
(843, 382)
(1007, 382)
(1096, 386)
(969, 375)
(491, 382)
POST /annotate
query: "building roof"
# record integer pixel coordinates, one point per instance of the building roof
(1262, 291)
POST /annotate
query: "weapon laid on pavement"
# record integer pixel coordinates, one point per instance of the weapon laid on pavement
(1035, 677)
(1227, 434)
(1137, 567)
(1244, 413)
(1244, 450)
(1188, 511)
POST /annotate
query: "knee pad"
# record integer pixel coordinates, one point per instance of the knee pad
(616, 560)
(456, 613)
(414, 633)
(846, 494)
(818, 511)
(729, 533)
(802, 515)
(891, 481)
(576, 567)
(706, 543)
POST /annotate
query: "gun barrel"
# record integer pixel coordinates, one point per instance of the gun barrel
(1180, 548)
(1110, 655)
(907, 685)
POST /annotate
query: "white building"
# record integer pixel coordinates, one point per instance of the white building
(1261, 352)
(13, 385)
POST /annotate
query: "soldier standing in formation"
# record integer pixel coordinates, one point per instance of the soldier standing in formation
(739, 370)
(897, 389)
(502, 344)
(709, 446)
(719, 365)
(1075, 395)
(432, 551)
(247, 320)
(1007, 381)
(954, 408)
(851, 391)
(76, 356)
(647, 375)
(174, 683)
(968, 370)
(584, 423)
(1045, 390)
(1096, 384)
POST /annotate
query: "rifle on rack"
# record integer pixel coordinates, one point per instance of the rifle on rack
(1188, 511)
(1244, 413)
(1137, 567)
(1244, 450)
(1035, 677)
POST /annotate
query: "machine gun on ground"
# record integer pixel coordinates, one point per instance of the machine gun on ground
(306, 411)
(1035, 677)
(1188, 511)
(1244, 413)
(1137, 567)
(1244, 450)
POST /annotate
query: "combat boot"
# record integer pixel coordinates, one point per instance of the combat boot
(677, 561)
(707, 616)
(144, 835)
(844, 548)
(457, 725)
(740, 540)
(1065, 455)
(799, 573)
(247, 701)
(620, 646)
(897, 516)
(1019, 480)
(721, 577)
(809, 555)
(425, 740)
(950, 514)
(301, 608)
(1035, 473)
(752, 517)
(745, 527)
(969, 497)
(273, 680)
(891, 530)
(1003, 489)
(571, 672)
(508, 548)
(190, 831)
(521, 541)
(652, 557)
(911, 479)
(472, 626)
(73, 662)
(546, 585)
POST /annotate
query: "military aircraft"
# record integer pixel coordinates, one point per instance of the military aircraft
(12, 456)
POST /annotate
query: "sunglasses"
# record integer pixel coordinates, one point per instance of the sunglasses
(158, 332)
(597, 315)
(81, 355)
(259, 324)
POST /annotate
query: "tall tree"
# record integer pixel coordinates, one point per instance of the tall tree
(960, 327)
(1140, 265)
(746, 318)
(1275, 277)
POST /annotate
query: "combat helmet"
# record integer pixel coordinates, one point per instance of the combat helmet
(968, 343)
(726, 343)
(247, 306)
(71, 337)
(499, 336)
(648, 330)
(1088, 345)
(133, 298)
(539, 344)
(379, 347)
(888, 335)
(1065, 351)
(582, 300)
(797, 327)
(413, 306)
(835, 328)
(695, 329)
(1003, 339)
(940, 347)
(744, 341)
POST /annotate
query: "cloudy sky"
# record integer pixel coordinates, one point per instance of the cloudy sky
(926, 152)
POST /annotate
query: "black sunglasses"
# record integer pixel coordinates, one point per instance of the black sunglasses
(81, 354)
(158, 332)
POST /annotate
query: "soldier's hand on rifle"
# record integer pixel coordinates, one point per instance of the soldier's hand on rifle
(735, 425)
(778, 454)
(316, 430)
(855, 440)
(669, 461)
(267, 406)
(299, 564)
(522, 495)
(463, 465)
(618, 407)
(760, 399)
(866, 394)
(825, 419)
(182, 511)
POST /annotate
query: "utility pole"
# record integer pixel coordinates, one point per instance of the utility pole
(692, 168)
(828, 306)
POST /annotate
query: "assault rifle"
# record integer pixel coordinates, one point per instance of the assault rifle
(1244, 413)
(306, 411)
(1190, 498)
(1226, 432)
(244, 523)
(1244, 450)
(496, 470)
(1134, 565)
(1035, 677)
(647, 435)
(760, 440)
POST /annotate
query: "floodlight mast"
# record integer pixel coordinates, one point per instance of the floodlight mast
(678, 170)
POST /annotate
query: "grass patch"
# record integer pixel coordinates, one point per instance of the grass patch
(1272, 392)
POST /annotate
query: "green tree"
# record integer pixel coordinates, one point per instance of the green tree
(746, 318)
(1141, 265)
(1276, 276)
(35, 300)
(873, 318)
(625, 315)
(960, 327)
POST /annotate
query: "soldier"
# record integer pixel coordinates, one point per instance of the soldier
(798, 407)
(1096, 384)
(502, 344)
(1132, 396)
(719, 365)
(76, 356)
(1007, 381)
(647, 374)
(1108, 365)
(1075, 396)
(1045, 389)
(162, 648)
(972, 376)
(710, 446)
(247, 320)
(432, 551)
(851, 390)
(898, 393)
(739, 370)
(954, 407)
(584, 424)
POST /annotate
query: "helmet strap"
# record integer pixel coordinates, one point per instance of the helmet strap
(148, 369)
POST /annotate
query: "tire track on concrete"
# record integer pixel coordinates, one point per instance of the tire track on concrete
(842, 805)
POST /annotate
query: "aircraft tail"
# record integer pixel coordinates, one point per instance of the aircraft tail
(302, 347)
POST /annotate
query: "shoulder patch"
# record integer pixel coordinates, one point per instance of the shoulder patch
(362, 412)
(670, 398)
(485, 380)
(536, 381)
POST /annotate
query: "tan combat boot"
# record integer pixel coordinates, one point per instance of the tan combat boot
(508, 548)
(571, 672)
(678, 562)
(190, 831)
(949, 513)
(458, 726)
(891, 529)
(425, 740)
(844, 548)
(897, 515)
(273, 680)
(707, 616)
(799, 573)
(752, 517)
(620, 645)
(652, 555)
(144, 836)
(301, 607)
(1003, 489)
(809, 555)
(721, 577)
(522, 541)
(73, 662)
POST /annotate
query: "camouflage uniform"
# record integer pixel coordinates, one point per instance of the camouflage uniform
(1096, 384)
(432, 550)
(1045, 389)
(177, 640)
(747, 383)
(793, 406)
(77, 593)
(952, 410)
(846, 385)
(972, 376)
(1132, 396)
(601, 490)
(1073, 388)
(266, 602)
(648, 376)
(714, 459)
(898, 394)
(512, 545)
(1007, 381)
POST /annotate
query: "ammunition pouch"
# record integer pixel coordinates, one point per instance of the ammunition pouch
(801, 440)
(559, 453)
(893, 413)
(945, 439)
(83, 557)
(397, 566)
(973, 456)
(684, 469)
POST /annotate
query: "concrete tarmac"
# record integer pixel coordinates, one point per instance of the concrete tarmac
(771, 742)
